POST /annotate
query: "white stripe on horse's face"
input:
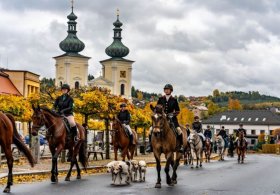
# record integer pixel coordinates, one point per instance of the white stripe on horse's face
(156, 116)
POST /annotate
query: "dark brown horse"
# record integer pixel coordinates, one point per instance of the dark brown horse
(241, 147)
(58, 140)
(120, 140)
(188, 155)
(208, 149)
(164, 141)
(9, 135)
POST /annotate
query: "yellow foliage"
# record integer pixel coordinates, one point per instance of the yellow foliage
(234, 104)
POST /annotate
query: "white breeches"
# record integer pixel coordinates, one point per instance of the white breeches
(71, 120)
(203, 137)
(128, 128)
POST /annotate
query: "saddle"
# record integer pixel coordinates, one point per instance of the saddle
(67, 126)
(133, 133)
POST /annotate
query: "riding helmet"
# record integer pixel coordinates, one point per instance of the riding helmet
(196, 117)
(65, 86)
(168, 86)
(123, 105)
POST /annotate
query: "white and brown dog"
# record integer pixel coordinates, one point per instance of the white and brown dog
(121, 168)
(134, 170)
(142, 167)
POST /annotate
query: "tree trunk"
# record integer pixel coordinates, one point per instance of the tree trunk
(63, 156)
(107, 139)
(136, 149)
(144, 139)
(35, 149)
(86, 133)
(29, 134)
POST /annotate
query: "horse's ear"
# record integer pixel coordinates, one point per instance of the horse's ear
(33, 107)
(152, 107)
(38, 107)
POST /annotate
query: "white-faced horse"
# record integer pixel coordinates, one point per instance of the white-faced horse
(196, 147)
(221, 147)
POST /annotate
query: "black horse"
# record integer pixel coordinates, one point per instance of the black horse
(231, 146)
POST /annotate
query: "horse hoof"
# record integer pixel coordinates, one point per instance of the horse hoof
(79, 177)
(54, 179)
(196, 167)
(67, 178)
(191, 167)
(174, 181)
(7, 190)
(158, 185)
(200, 165)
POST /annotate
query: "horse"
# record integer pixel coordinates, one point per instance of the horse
(241, 147)
(188, 155)
(231, 146)
(58, 140)
(208, 149)
(120, 140)
(164, 141)
(221, 147)
(196, 147)
(9, 135)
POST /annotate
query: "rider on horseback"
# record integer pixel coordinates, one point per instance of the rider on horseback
(197, 126)
(208, 133)
(188, 129)
(64, 105)
(224, 135)
(124, 117)
(241, 129)
(171, 107)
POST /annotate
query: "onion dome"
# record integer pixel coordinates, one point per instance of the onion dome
(72, 44)
(117, 49)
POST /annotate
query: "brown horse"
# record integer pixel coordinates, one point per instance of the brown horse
(58, 140)
(241, 147)
(9, 135)
(208, 149)
(120, 140)
(164, 141)
(188, 155)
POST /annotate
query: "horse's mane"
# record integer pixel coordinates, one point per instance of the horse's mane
(50, 111)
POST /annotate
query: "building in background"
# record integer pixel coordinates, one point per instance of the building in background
(26, 82)
(71, 67)
(6, 85)
(255, 122)
(116, 71)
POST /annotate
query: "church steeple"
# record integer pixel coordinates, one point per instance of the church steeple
(71, 44)
(117, 49)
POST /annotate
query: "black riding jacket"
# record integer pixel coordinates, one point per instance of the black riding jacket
(197, 126)
(240, 130)
(170, 106)
(208, 133)
(223, 133)
(64, 104)
(124, 117)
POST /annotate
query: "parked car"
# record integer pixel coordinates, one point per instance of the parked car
(42, 139)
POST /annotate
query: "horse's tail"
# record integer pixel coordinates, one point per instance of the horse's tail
(19, 143)
(83, 156)
(82, 152)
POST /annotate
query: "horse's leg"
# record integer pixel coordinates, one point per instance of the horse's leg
(53, 178)
(201, 158)
(158, 184)
(54, 161)
(70, 170)
(175, 166)
(197, 158)
(167, 168)
(10, 160)
(116, 152)
(125, 153)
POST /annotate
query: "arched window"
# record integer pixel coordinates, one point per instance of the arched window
(77, 85)
(60, 83)
(122, 89)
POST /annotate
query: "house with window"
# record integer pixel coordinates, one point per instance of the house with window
(255, 122)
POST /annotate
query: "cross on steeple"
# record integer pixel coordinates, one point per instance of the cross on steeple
(72, 4)
(118, 12)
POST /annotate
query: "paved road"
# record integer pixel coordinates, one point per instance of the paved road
(258, 176)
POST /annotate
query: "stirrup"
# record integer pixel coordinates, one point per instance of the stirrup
(181, 149)
(76, 139)
(149, 149)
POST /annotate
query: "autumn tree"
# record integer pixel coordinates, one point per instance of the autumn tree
(216, 93)
(234, 104)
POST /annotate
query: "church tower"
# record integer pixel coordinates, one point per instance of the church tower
(116, 71)
(71, 67)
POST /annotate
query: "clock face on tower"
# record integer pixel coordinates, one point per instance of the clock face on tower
(123, 74)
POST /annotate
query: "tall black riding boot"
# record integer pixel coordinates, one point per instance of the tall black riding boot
(131, 138)
(181, 142)
(74, 133)
(149, 147)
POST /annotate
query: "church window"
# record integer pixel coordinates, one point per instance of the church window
(77, 85)
(122, 89)
(123, 74)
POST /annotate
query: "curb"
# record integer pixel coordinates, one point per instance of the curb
(45, 172)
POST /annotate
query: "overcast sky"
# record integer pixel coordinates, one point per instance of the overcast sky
(196, 45)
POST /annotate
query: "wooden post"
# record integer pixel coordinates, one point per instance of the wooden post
(35, 149)
(107, 138)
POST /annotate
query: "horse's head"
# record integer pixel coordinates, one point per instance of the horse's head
(158, 119)
(193, 137)
(38, 120)
(241, 134)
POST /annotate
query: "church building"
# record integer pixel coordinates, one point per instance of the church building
(71, 67)
(116, 71)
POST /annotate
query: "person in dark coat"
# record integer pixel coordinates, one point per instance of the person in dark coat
(197, 126)
(224, 135)
(64, 106)
(239, 130)
(188, 129)
(124, 117)
(171, 107)
(208, 133)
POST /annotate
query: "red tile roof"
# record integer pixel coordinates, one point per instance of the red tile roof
(7, 86)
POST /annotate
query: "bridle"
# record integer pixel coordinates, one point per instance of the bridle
(193, 142)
